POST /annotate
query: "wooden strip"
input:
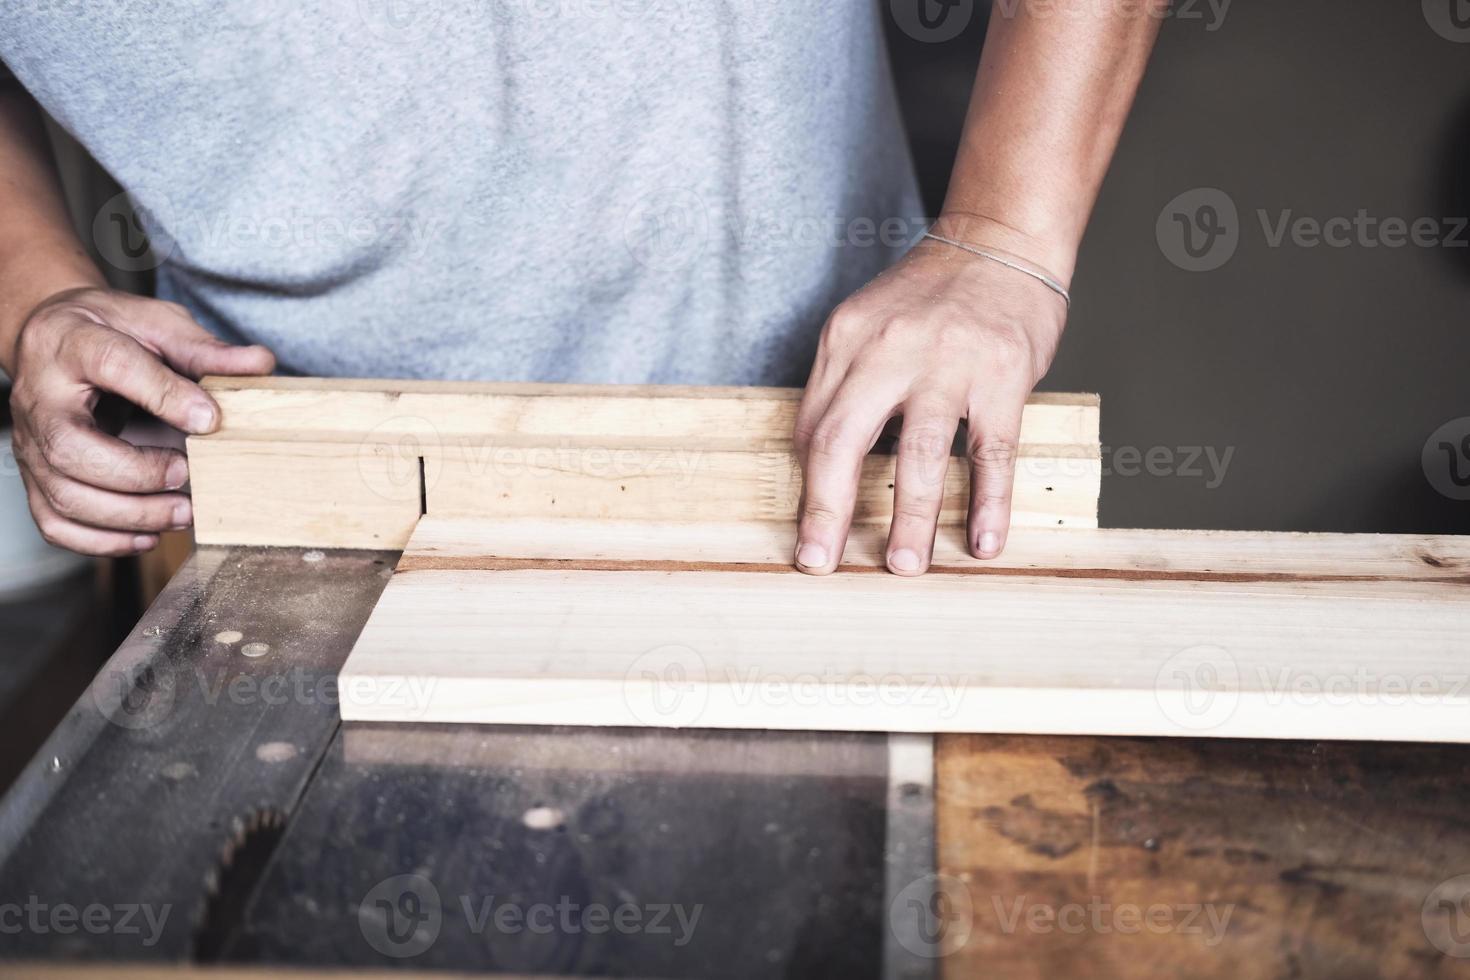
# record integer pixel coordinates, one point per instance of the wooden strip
(1142, 654)
(368, 495)
(316, 495)
(698, 484)
(435, 412)
(1114, 553)
(334, 463)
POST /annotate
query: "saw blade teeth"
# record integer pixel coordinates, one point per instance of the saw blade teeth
(249, 840)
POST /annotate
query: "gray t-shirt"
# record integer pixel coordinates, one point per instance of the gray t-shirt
(562, 190)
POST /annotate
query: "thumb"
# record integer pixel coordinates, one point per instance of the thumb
(210, 355)
(193, 351)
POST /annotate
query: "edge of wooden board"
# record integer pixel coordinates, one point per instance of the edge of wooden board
(354, 410)
(1180, 555)
(874, 707)
(223, 383)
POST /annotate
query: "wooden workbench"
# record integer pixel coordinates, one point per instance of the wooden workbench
(1319, 858)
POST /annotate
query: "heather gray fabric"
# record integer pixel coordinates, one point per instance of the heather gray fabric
(593, 190)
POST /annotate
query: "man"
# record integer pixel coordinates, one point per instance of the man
(580, 190)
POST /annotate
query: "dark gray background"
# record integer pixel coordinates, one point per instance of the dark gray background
(1325, 368)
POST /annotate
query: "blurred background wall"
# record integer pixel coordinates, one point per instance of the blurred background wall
(1323, 369)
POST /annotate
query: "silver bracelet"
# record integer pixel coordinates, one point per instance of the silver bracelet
(1040, 277)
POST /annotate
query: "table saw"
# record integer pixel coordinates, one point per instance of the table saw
(227, 797)
(224, 794)
(204, 802)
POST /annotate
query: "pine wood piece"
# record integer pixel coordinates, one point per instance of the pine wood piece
(310, 495)
(697, 484)
(1368, 562)
(711, 417)
(1087, 632)
(352, 463)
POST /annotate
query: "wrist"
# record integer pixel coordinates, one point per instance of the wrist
(18, 309)
(1054, 254)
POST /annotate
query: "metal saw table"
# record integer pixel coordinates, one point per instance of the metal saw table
(206, 783)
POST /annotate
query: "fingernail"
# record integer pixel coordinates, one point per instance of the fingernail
(182, 514)
(177, 475)
(142, 543)
(904, 560)
(989, 543)
(811, 555)
(201, 418)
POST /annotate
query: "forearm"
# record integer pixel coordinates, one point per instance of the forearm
(39, 253)
(1055, 85)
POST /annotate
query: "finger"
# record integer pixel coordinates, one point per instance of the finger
(213, 356)
(992, 444)
(194, 351)
(831, 470)
(172, 332)
(829, 370)
(115, 362)
(149, 512)
(70, 443)
(918, 488)
(814, 402)
(68, 534)
(820, 389)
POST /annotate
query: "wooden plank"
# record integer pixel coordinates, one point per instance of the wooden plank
(1077, 856)
(697, 484)
(1247, 558)
(351, 463)
(1132, 633)
(312, 495)
(349, 410)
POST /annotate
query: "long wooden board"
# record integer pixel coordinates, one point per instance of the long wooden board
(599, 415)
(1095, 632)
(346, 463)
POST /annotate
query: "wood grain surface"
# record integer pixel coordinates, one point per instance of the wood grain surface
(342, 409)
(1078, 856)
(312, 462)
(671, 624)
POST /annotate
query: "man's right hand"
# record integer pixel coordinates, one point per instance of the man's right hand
(89, 491)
